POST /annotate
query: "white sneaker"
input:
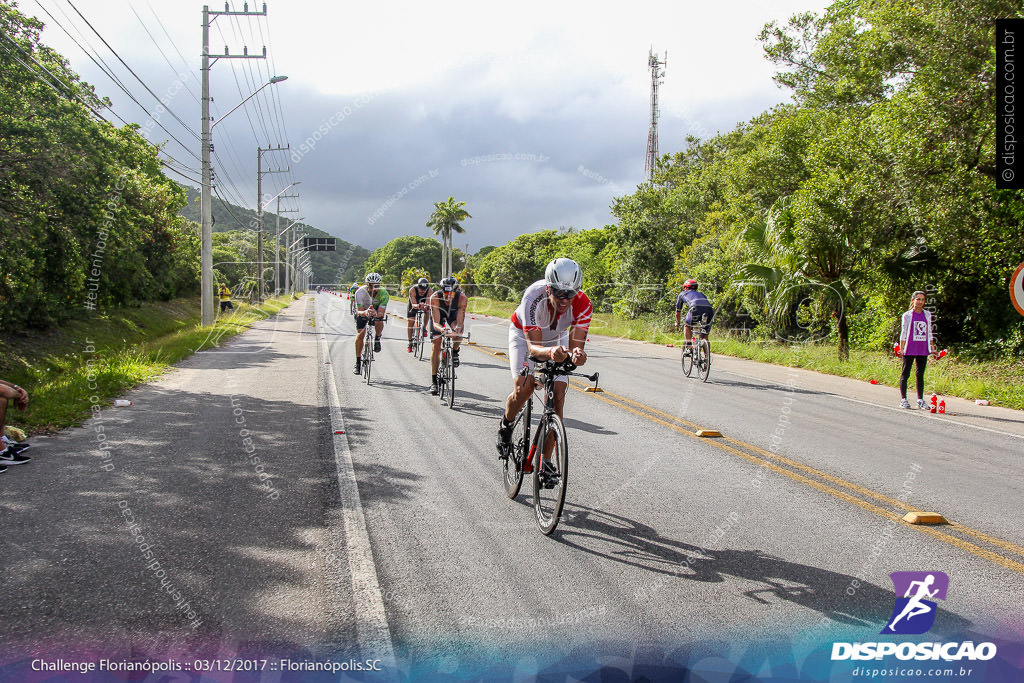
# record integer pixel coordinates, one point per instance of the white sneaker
(904, 403)
(921, 404)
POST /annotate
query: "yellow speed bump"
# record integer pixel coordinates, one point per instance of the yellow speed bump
(924, 518)
(708, 433)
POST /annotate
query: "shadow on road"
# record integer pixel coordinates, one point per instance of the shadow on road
(624, 540)
(207, 503)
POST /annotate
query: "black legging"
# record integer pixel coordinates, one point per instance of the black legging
(908, 361)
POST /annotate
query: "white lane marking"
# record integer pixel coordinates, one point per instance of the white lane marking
(372, 630)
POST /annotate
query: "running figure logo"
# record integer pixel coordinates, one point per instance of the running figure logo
(914, 612)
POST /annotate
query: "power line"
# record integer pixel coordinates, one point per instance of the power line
(166, 164)
(174, 44)
(119, 84)
(272, 96)
(70, 94)
(132, 72)
(162, 54)
(227, 208)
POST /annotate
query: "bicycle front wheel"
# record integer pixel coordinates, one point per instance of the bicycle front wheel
(442, 378)
(687, 360)
(704, 362)
(451, 381)
(367, 363)
(512, 472)
(549, 485)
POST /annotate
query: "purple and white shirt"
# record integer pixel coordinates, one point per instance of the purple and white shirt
(916, 333)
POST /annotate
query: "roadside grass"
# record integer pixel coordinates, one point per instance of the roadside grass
(1001, 382)
(96, 358)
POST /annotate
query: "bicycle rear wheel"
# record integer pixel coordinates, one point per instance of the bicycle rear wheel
(512, 467)
(687, 361)
(549, 490)
(704, 360)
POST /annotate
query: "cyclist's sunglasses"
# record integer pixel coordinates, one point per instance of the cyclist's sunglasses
(563, 294)
(373, 286)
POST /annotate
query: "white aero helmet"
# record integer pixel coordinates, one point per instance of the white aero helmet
(564, 274)
(373, 279)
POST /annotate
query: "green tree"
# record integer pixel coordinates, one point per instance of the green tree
(403, 253)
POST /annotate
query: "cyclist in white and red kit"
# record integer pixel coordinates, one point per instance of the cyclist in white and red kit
(551, 322)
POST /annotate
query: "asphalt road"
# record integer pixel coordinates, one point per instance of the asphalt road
(669, 538)
(375, 520)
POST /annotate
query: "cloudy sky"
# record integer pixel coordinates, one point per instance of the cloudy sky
(534, 114)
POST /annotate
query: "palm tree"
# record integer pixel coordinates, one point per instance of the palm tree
(444, 221)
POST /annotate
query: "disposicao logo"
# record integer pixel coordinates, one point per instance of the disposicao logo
(914, 612)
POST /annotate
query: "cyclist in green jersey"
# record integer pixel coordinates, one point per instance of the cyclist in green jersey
(371, 303)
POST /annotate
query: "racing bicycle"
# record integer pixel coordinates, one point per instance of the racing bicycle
(550, 476)
(446, 368)
(419, 331)
(368, 338)
(697, 354)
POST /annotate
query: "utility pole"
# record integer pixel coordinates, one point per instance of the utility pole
(259, 213)
(277, 240)
(657, 75)
(206, 142)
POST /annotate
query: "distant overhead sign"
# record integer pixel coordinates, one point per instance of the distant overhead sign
(320, 244)
(1017, 289)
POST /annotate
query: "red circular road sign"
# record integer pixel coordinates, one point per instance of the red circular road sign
(1017, 289)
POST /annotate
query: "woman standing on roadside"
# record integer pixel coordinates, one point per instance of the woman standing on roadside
(916, 344)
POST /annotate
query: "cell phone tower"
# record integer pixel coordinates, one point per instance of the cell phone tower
(657, 68)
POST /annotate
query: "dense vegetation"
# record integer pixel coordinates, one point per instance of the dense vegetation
(86, 214)
(819, 217)
(88, 219)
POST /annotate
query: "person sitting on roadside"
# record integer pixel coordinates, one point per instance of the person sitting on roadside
(11, 394)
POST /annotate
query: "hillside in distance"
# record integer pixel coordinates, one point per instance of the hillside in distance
(348, 259)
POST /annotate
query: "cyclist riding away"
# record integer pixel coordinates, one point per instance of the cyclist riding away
(419, 299)
(447, 306)
(371, 302)
(551, 322)
(700, 309)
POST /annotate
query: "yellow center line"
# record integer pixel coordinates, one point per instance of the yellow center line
(646, 412)
(775, 456)
(1006, 545)
(688, 428)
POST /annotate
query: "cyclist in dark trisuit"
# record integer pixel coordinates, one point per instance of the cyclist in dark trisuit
(419, 298)
(447, 306)
(700, 309)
